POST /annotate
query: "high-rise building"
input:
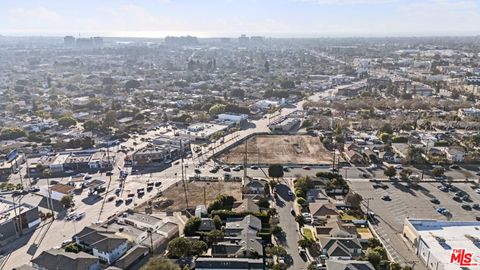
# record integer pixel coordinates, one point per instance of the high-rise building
(98, 42)
(85, 43)
(69, 41)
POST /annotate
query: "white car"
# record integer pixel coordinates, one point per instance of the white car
(477, 190)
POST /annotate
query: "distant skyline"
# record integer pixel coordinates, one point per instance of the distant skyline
(218, 18)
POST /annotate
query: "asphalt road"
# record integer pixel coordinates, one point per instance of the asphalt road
(283, 205)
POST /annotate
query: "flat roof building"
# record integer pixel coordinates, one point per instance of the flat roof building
(434, 241)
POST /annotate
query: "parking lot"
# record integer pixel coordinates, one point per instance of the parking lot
(406, 202)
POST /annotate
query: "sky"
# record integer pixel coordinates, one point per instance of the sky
(230, 18)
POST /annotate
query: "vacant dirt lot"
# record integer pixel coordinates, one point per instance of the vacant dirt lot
(283, 149)
(173, 199)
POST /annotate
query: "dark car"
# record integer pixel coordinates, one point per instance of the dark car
(435, 201)
(197, 171)
(386, 198)
(466, 207)
(475, 206)
(158, 183)
(109, 173)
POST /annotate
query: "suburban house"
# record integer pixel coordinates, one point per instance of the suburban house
(354, 157)
(246, 205)
(348, 265)
(253, 188)
(455, 154)
(204, 263)
(340, 248)
(55, 259)
(322, 211)
(335, 228)
(103, 244)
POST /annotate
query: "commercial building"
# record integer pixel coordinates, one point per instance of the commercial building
(8, 166)
(434, 241)
(284, 124)
(234, 118)
(16, 218)
(203, 131)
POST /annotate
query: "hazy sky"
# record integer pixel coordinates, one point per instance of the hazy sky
(277, 18)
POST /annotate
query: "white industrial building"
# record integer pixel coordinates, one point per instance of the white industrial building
(434, 241)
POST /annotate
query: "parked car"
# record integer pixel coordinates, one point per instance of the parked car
(197, 171)
(254, 167)
(466, 206)
(435, 201)
(386, 198)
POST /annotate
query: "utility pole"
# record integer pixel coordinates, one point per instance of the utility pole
(183, 175)
(245, 160)
(47, 173)
(368, 205)
(108, 186)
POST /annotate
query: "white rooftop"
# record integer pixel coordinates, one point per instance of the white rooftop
(444, 236)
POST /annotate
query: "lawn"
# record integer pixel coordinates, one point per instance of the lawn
(308, 234)
(346, 217)
(363, 230)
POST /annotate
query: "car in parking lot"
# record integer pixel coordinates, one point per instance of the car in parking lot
(435, 201)
(476, 206)
(457, 198)
(118, 201)
(197, 171)
(109, 173)
(213, 170)
(226, 169)
(306, 168)
(443, 211)
(254, 167)
(443, 188)
(386, 198)
(466, 206)
(286, 169)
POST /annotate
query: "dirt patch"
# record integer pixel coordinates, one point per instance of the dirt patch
(283, 149)
(173, 199)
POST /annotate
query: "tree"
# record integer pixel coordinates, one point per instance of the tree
(374, 242)
(353, 199)
(301, 201)
(305, 243)
(386, 128)
(405, 173)
(218, 222)
(67, 121)
(263, 203)
(215, 236)
(276, 251)
(438, 171)
(90, 125)
(390, 171)
(221, 202)
(373, 257)
(217, 109)
(394, 266)
(198, 247)
(183, 247)
(160, 264)
(110, 119)
(66, 201)
(132, 84)
(276, 230)
(192, 226)
(300, 220)
(275, 171)
(237, 92)
(12, 133)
